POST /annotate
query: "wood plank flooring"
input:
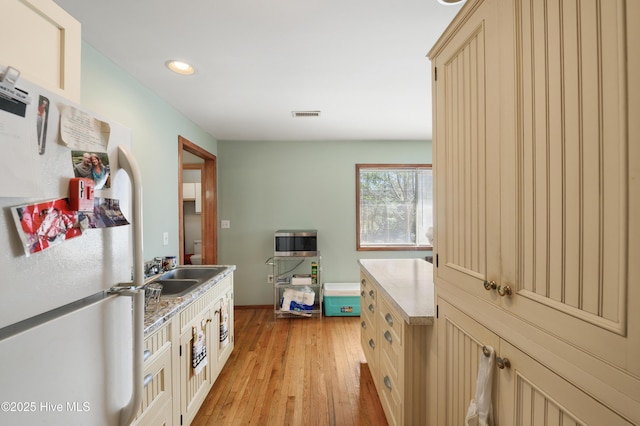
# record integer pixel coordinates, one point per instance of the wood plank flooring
(299, 371)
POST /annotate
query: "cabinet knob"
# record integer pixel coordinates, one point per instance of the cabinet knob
(363, 282)
(363, 324)
(371, 308)
(503, 363)
(372, 344)
(362, 293)
(371, 293)
(490, 285)
(388, 337)
(505, 290)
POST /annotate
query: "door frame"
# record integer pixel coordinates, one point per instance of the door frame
(209, 215)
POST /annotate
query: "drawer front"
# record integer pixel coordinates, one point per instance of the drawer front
(390, 321)
(391, 350)
(390, 393)
(368, 293)
(156, 395)
(368, 342)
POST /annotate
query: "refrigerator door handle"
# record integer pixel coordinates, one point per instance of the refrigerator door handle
(128, 412)
(128, 163)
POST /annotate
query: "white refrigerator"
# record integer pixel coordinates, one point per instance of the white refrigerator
(70, 349)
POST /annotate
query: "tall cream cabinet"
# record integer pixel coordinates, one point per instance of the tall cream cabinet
(537, 194)
(43, 42)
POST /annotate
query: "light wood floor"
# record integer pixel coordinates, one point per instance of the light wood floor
(300, 371)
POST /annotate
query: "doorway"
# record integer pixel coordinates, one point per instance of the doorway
(190, 157)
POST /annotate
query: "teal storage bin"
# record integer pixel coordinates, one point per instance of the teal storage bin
(341, 299)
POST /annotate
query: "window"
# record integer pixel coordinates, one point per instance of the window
(394, 207)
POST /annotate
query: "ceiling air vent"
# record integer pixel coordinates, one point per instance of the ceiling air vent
(305, 113)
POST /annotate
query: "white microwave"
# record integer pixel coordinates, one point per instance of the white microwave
(296, 242)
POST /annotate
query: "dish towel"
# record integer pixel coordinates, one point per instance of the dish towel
(199, 357)
(224, 323)
(480, 410)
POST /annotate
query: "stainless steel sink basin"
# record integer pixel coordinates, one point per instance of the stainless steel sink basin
(182, 280)
(176, 287)
(200, 274)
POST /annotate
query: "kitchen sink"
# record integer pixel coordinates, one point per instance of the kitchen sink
(182, 280)
(176, 287)
(200, 274)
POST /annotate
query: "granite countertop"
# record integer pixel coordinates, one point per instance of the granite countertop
(407, 284)
(171, 306)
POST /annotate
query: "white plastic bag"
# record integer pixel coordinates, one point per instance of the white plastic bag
(480, 410)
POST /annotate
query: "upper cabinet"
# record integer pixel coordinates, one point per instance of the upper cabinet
(537, 183)
(49, 51)
(192, 191)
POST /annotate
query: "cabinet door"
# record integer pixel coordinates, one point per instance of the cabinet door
(532, 395)
(194, 387)
(568, 220)
(223, 331)
(466, 152)
(43, 42)
(460, 342)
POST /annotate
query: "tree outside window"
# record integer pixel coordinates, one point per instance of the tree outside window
(394, 207)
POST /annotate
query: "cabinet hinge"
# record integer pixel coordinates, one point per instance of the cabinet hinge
(435, 73)
(436, 260)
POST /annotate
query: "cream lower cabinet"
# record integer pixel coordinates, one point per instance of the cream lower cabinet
(397, 356)
(525, 392)
(156, 407)
(174, 392)
(202, 318)
(537, 187)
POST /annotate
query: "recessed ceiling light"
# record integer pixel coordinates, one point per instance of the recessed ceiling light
(180, 67)
(450, 2)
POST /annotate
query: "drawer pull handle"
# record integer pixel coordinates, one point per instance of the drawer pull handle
(503, 363)
(371, 293)
(364, 324)
(147, 379)
(146, 354)
(372, 344)
(387, 336)
(389, 319)
(387, 382)
(371, 307)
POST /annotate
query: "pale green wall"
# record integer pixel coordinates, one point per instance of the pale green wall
(265, 186)
(155, 126)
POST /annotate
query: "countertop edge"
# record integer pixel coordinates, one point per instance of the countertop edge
(379, 270)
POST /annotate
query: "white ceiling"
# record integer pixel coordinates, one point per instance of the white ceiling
(362, 63)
